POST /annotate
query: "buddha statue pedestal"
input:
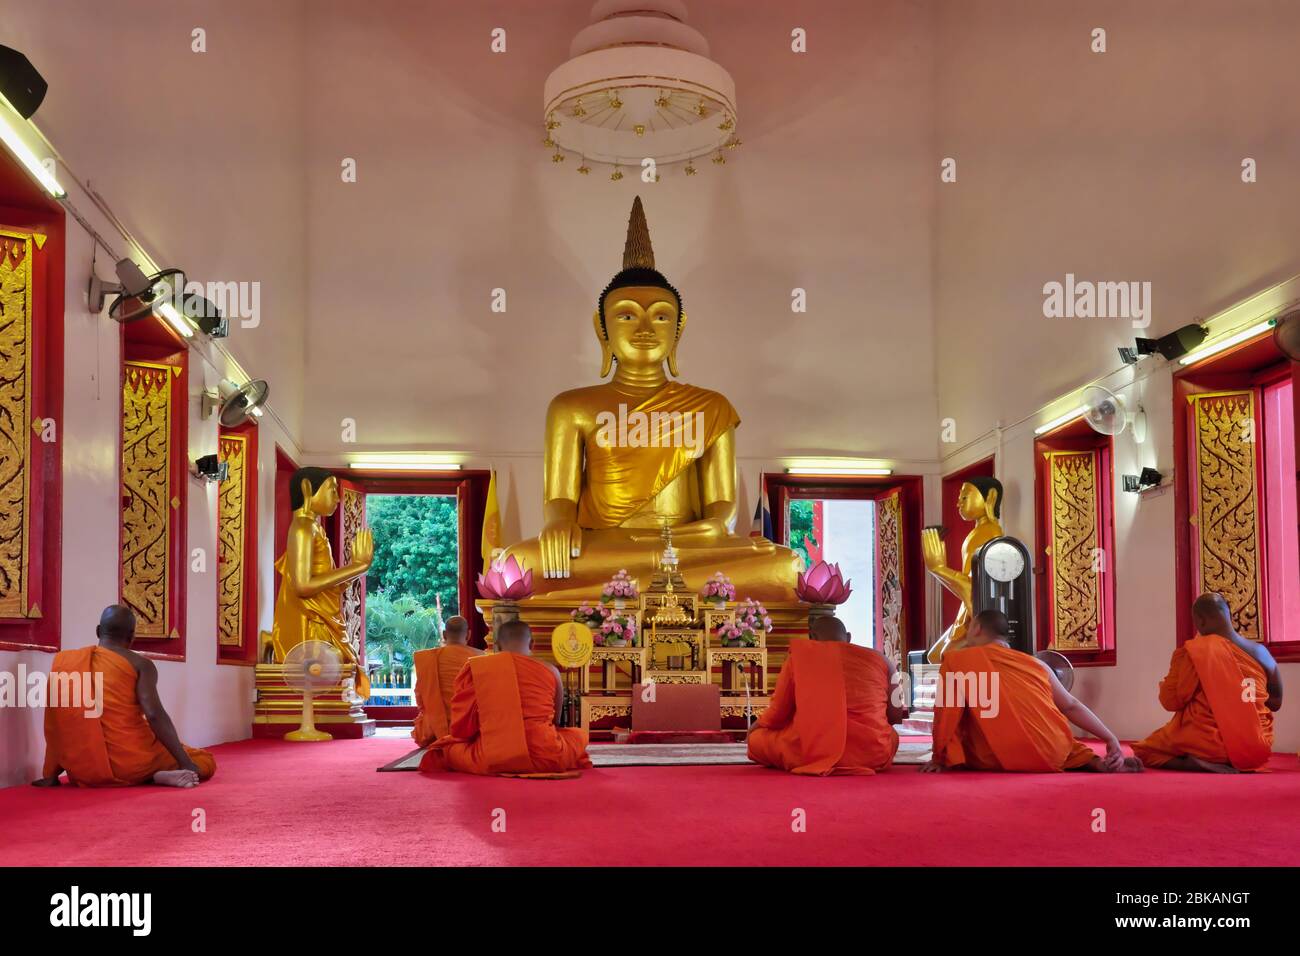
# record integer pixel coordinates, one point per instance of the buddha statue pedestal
(279, 707)
(606, 687)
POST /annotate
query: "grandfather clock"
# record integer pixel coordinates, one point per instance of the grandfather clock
(1002, 580)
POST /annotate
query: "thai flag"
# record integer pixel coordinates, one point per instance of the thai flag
(762, 527)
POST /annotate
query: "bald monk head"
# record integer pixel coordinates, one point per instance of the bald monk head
(828, 629)
(456, 631)
(988, 627)
(116, 625)
(1210, 615)
(515, 636)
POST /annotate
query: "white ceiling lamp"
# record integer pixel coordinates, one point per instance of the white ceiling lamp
(1057, 422)
(1214, 348)
(838, 468)
(639, 85)
(404, 461)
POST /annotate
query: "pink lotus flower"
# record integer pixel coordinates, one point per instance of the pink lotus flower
(823, 584)
(506, 581)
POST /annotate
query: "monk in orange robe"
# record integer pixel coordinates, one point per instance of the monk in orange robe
(1223, 690)
(119, 734)
(504, 715)
(831, 711)
(1002, 709)
(435, 678)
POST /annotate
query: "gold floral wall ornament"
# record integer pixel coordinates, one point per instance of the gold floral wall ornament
(1075, 538)
(16, 348)
(1225, 503)
(232, 499)
(146, 496)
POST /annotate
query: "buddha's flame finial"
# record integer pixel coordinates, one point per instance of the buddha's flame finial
(637, 252)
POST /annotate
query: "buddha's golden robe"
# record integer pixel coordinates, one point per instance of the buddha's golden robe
(317, 618)
(644, 478)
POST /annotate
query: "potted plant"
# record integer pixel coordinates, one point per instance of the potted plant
(619, 590)
(752, 620)
(617, 630)
(718, 590)
(591, 615)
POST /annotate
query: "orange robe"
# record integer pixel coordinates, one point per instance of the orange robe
(117, 748)
(828, 713)
(503, 722)
(435, 677)
(995, 711)
(1214, 719)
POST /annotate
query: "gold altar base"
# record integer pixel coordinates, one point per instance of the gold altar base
(606, 685)
(279, 706)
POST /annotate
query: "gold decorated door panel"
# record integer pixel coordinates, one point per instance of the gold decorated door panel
(232, 532)
(889, 577)
(17, 421)
(1076, 559)
(151, 497)
(352, 518)
(1225, 502)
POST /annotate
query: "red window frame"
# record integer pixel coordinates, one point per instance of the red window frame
(24, 207)
(152, 340)
(246, 653)
(1076, 436)
(1252, 364)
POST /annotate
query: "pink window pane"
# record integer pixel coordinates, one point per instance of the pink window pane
(1281, 537)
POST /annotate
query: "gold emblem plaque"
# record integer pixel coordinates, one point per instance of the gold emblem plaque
(571, 644)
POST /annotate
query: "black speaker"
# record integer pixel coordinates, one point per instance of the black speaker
(1172, 346)
(21, 85)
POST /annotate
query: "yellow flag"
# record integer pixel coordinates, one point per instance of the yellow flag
(491, 523)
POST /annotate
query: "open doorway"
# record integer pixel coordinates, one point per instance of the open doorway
(870, 527)
(839, 531)
(412, 587)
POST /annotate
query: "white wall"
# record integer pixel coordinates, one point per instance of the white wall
(209, 702)
(1115, 166)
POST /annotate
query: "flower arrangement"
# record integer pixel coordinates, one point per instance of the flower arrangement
(752, 619)
(718, 590)
(620, 588)
(586, 613)
(617, 630)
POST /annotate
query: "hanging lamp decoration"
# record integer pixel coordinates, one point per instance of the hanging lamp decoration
(639, 84)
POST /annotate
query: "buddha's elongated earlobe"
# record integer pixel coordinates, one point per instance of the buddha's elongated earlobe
(672, 355)
(606, 354)
(306, 498)
(991, 504)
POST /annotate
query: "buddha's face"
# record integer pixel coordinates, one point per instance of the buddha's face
(970, 503)
(641, 323)
(326, 499)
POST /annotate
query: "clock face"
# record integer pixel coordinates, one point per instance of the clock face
(1003, 561)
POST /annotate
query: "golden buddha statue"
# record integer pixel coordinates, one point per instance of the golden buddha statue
(626, 457)
(979, 500)
(309, 605)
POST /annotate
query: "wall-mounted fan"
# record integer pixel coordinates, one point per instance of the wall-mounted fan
(1108, 413)
(238, 403)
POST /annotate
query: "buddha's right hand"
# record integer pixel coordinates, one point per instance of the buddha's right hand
(559, 542)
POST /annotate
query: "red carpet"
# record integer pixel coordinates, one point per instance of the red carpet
(273, 803)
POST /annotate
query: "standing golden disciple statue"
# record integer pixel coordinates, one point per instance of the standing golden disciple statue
(309, 606)
(625, 457)
(979, 500)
